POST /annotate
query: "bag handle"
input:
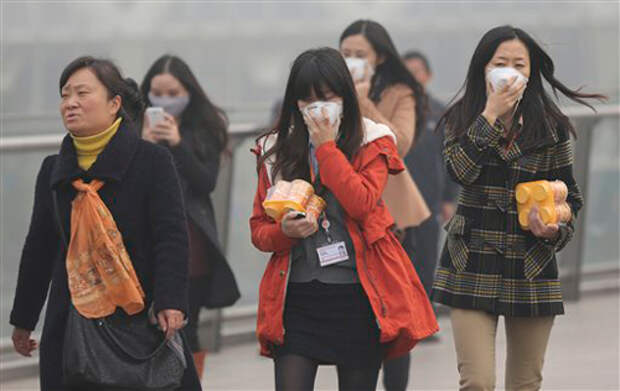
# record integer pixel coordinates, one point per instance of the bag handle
(106, 328)
(101, 322)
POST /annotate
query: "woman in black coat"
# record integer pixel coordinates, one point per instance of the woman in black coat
(195, 131)
(141, 191)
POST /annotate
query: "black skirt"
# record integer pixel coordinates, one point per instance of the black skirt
(331, 323)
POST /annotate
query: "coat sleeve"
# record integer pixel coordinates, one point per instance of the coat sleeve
(450, 188)
(464, 156)
(38, 255)
(169, 235)
(402, 120)
(267, 235)
(563, 170)
(359, 192)
(201, 175)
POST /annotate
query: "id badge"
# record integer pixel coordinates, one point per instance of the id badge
(332, 253)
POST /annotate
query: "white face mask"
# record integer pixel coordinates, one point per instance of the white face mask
(333, 110)
(173, 105)
(357, 67)
(500, 76)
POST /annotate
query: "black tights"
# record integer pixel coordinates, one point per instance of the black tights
(396, 373)
(297, 373)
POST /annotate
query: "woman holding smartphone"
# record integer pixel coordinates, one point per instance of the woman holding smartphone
(370, 303)
(195, 131)
(503, 131)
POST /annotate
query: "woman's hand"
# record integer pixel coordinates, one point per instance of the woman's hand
(448, 209)
(166, 130)
(540, 229)
(22, 342)
(298, 228)
(502, 101)
(170, 321)
(362, 88)
(147, 133)
(320, 128)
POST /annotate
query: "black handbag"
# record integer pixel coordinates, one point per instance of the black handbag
(120, 350)
(221, 288)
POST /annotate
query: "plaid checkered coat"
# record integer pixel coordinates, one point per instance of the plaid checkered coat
(488, 262)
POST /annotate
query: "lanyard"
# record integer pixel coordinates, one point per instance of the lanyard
(314, 163)
(325, 224)
(314, 175)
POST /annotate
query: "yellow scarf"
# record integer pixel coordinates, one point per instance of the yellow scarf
(88, 148)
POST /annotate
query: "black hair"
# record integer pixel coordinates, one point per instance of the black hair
(540, 113)
(110, 76)
(314, 71)
(392, 70)
(416, 55)
(207, 122)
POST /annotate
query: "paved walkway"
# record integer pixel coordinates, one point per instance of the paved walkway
(583, 355)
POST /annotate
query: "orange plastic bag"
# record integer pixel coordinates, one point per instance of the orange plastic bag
(101, 275)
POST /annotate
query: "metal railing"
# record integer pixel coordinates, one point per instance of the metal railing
(584, 119)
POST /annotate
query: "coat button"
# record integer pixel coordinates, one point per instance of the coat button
(282, 273)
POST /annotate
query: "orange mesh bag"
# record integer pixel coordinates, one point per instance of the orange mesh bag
(101, 275)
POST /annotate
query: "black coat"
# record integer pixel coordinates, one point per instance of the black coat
(143, 194)
(426, 165)
(198, 173)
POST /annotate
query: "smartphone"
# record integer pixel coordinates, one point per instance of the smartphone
(155, 115)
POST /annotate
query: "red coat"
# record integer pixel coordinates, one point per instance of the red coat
(397, 297)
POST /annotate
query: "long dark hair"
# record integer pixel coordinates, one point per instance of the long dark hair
(392, 70)
(207, 122)
(110, 76)
(313, 71)
(540, 113)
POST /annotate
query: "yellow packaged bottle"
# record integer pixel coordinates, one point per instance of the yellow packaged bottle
(297, 195)
(315, 207)
(548, 196)
(276, 199)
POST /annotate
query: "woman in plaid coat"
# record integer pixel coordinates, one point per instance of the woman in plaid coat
(490, 266)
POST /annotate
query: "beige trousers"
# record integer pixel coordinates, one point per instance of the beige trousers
(474, 339)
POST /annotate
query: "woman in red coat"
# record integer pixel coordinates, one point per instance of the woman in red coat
(340, 290)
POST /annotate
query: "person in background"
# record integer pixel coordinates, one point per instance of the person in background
(425, 162)
(366, 303)
(103, 158)
(505, 129)
(390, 95)
(195, 132)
